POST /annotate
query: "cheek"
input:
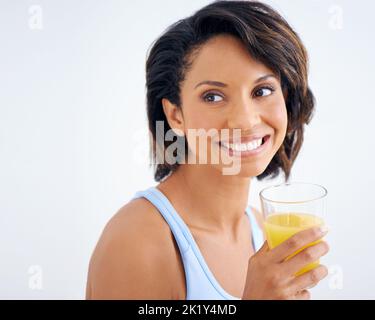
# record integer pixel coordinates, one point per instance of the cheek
(197, 117)
(279, 117)
(278, 120)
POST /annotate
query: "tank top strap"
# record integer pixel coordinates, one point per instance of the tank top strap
(256, 230)
(178, 227)
(161, 202)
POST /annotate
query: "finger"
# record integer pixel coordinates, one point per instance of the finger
(303, 295)
(306, 256)
(261, 252)
(309, 279)
(297, 241)
(264, 247)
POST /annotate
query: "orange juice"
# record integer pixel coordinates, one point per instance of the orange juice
(281, 226)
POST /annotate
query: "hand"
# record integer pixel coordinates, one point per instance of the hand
(271, 276)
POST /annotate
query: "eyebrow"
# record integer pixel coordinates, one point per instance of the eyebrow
(224, 85)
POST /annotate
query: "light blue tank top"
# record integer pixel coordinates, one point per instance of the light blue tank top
(200, 282)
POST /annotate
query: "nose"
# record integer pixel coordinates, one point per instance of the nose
(244, 114)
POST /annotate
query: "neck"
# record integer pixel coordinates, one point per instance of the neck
(216, 202)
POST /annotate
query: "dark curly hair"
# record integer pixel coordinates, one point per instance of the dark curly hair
(268, 38)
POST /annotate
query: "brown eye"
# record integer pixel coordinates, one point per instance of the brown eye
(210, 97)
(263, 92)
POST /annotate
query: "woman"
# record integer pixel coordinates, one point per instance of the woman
(234, 67)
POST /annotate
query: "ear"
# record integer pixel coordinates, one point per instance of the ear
(174, 116)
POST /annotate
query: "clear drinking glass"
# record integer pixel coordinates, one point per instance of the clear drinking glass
(292, 207)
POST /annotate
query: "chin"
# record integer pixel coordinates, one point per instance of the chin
(252, 170)
(246, 170)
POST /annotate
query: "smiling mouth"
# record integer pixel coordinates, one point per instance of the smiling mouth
(245, 146)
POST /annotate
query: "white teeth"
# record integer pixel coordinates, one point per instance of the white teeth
(251, 145)
(243, 146)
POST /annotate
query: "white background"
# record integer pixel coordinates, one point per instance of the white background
(73, 133)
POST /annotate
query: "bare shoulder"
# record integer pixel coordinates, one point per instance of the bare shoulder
(135, 257)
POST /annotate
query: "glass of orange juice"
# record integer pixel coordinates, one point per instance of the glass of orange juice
(292, 207)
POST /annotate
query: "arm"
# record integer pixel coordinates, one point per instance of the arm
(128, 262)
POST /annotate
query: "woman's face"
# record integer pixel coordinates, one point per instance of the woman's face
(242, 101)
